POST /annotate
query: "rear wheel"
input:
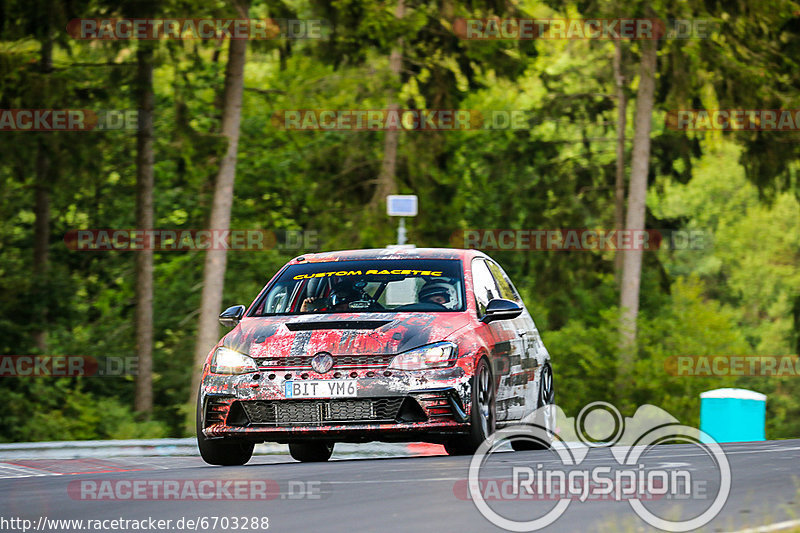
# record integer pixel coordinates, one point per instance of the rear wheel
(223, 452)
(311, 451)
(543, 426)
(482, 415)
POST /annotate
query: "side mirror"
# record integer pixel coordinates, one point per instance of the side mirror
(501, 309)
(232, 315)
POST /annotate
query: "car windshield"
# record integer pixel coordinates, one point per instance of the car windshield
(372, 286)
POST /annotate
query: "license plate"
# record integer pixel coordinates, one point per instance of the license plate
(338, 388)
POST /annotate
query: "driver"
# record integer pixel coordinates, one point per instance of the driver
(435, 292)
(339, 301)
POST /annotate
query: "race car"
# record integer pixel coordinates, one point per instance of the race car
(393, 345)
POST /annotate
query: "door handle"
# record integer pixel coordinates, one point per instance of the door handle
(522, 332)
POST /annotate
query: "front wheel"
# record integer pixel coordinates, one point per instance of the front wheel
(482, 415)
(223, 452)
(311, 451)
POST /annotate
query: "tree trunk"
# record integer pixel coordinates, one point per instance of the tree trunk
(796, 315)
(41, 241)
(41, 227)
(637, 195)
(387, 182)
(619, 187)
(144, 221)
(216, 260)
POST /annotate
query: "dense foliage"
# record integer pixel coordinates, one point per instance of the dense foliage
(739, 294)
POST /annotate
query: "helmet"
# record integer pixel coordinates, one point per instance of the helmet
(344, 295)
(436, 288)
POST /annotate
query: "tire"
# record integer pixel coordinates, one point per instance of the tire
(544, 416)
(482, 413)
(222, 452)
(315, 451)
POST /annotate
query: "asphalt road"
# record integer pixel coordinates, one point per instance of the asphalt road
(418, 493)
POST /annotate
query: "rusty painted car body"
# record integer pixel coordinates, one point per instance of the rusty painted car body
(388, 401)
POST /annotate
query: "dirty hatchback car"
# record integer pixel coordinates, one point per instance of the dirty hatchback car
(373, 345)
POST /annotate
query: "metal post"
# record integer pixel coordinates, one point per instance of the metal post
(401, 231)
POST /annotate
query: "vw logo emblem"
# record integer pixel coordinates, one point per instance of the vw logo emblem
(322, 362)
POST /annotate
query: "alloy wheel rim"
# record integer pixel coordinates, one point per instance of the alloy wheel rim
(546, 400)
(545, 390)
(484, 399)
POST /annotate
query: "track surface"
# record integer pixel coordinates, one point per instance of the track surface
(388, 494)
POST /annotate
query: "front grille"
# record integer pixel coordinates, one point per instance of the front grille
(302, 412)
(303, 362)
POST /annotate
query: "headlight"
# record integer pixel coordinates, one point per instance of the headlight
(436, 355)
(226, 361)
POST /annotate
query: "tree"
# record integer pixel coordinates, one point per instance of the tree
(637, 197)
(220, 218)
(619, 182)
(387, 182)
(144, 221)
(43, 182)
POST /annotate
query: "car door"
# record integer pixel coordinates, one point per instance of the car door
(522, 377)
(506, 346)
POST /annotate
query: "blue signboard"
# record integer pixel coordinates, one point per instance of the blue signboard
(401, 205)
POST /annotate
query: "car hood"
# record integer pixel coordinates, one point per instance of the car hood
(342, 333)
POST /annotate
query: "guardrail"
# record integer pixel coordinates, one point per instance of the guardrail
(186, 447)
(98, 448)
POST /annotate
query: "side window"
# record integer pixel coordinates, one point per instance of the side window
(507, 290)
(483, 285)
(277, 300)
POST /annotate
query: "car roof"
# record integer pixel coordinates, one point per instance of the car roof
(387, 253)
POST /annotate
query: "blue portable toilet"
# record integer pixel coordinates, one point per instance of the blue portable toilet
(733, 415)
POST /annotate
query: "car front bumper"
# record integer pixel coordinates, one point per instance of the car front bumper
(390, 405)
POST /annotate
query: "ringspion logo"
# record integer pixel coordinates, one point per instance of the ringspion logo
(631, 468)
